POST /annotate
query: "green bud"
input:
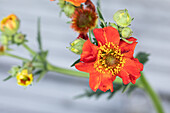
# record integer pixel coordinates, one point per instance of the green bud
(120, 29)
(113, 25)
(61, 3)
(77, 45)
(69, 10)
(126, 32)
(19, 38)
(122, 18)
(4, 39)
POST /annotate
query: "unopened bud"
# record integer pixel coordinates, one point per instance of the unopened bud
(126, 32)
(9, 25)
(77, 45)
(69, 10)
(113, 25)
(61, 3)
(19, 38)
(2, 49)
(122, 18)
(4, 39)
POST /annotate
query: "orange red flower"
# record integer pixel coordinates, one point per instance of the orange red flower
(112, 57)
(84, 19)
(76, 2)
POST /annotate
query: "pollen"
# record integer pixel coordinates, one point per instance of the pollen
(109, 59)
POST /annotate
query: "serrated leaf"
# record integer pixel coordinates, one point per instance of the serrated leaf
(98, 93)
(77, 61)
(9, 77)
(142, 57)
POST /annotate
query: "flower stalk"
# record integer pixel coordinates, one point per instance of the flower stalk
(154, 97)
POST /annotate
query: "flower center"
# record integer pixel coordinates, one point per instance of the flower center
(109, 59)
(84, 19)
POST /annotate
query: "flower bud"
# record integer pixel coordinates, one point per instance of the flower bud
(126, 32)
(2, 49)
(122, 18)
(61, 3)
(10, 25)
(69, 10)
(4, 39)
(24, 78)
(19, 38)
(113, 25)
(77, 45)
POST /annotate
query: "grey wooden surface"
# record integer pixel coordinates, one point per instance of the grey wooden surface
(55, 93)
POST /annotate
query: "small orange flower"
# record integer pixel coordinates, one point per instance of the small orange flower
(83, 20)
(112, 57)
(76, 2)
(10, 24)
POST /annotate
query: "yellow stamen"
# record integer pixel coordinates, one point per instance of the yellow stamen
(109, 59)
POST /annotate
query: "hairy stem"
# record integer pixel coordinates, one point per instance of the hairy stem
(155, 98)
(15, 56)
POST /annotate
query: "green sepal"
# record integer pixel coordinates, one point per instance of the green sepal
(77, 61)
(9, 77)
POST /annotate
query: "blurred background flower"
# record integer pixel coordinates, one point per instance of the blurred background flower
(55, 92)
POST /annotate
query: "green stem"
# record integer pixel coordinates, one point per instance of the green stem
(53, 68)
(29, 49)
(15, 56)
(70, 72)
(155, 99)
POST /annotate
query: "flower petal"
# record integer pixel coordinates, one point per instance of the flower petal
(85, 67)
(138, 64)
(76, 2)
(107, 83)
(89, 53)
(94, 81)
(128, 49)
(107, 34)
(125, 76)
(133, 68)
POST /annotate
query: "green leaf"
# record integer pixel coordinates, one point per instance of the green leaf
(42, 74)
(9, 77)
(103, 23)
(90, 32)
(39, 34)
(77, 61)
(100, 14)
(37, 72)
(126, 87)
(98, 93)
(116, 88)
(142, 57)
(131, 88)
(98, 4)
